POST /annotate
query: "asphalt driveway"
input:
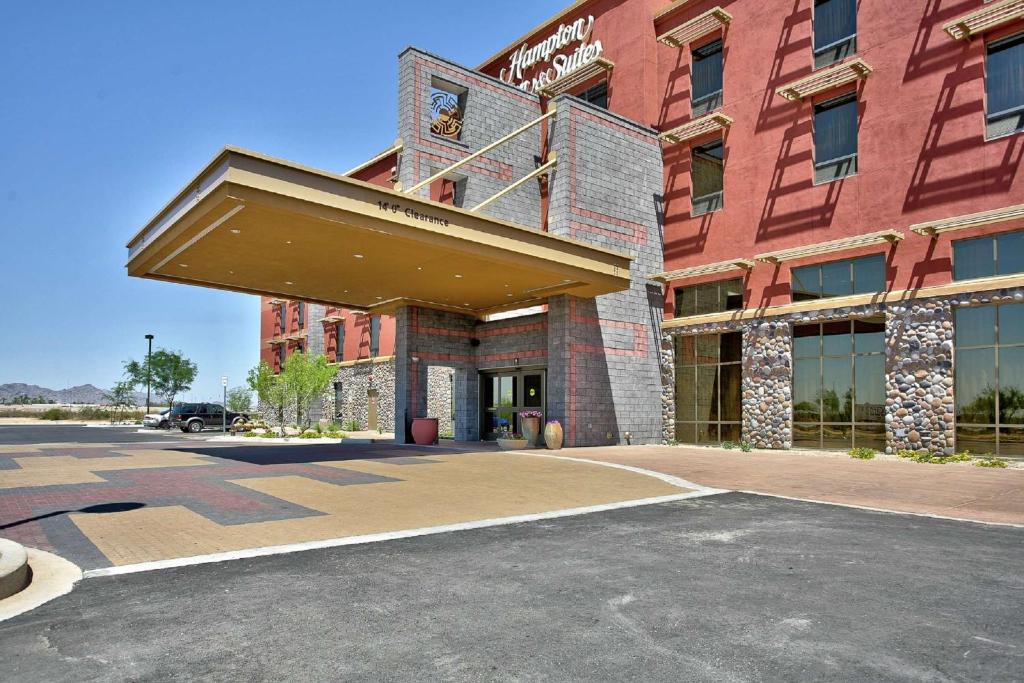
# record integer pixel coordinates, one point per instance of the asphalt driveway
(732, 587)
(18, 435)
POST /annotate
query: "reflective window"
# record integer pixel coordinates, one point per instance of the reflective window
(708, 173)
(339, 342)
(282, 318)
(990, 255)
(989, 379)
(835, 30)
(597, 95)
(838, 278)
(1004, 86)
(710, 297)
(709, 377)
(835, 138)
(300, 309)
(707, 78)
(374, 335)
(839, 384)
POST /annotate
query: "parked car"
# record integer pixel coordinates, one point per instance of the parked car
(157, 420)
(195, 417)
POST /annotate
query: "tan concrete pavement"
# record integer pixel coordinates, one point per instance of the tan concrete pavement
(960, 491)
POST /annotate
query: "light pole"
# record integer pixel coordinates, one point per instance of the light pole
(149, 368)
(224, 405)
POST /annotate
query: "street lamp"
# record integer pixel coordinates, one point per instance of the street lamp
(149, 368)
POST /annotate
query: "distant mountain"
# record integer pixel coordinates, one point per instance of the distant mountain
(85, 393)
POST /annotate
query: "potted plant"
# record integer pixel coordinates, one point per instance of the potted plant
(510, 441)
(530, 420)
(553, 435)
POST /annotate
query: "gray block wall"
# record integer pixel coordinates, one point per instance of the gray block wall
(604, 376)
(492, 109)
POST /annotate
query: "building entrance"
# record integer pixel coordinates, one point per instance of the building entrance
(504, 395)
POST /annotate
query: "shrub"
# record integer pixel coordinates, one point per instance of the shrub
(268, 435)
(991, 461)
(745, 446)
(249, 435)
(863, 453)
(932, 459)
(55, 414)
(310, 434)
(352, 426)
(728, 445)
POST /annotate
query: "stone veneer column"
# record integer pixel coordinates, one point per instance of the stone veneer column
(919, 412)
(768, 384)
(668, 388)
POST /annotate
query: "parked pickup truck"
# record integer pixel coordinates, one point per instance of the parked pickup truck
(195, 417)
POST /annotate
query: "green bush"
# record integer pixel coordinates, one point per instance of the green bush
(55, 414)
(863, 453)
(991, 461)
(746, 447)
(352, 426)
(269, 435)
(728, 445)
(932, 459)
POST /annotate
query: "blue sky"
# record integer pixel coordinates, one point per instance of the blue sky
(107, 109)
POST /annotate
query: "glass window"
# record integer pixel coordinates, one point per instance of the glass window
(835, 30)
(989, 379)
(709, 297)
(280, 357)
(374, 335)
(835, 138)
(339, 342)
(447, 109)
(707, 77)
(597, 95)
(1004, 86)
(835, 128)
(839, 384)
(282, 318)
(709, 378)
(838, 278)
(990, 255)
(300, 308)
(708, 173)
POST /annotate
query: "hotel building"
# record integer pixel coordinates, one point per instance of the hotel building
(798, 224)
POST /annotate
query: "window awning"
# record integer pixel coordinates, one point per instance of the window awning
(327, 320)
(574, 78)
(870, 239)
(985, 18)
(709, 269)
(715, 19)
(690, 130)
(254, 224)
(825, 79)
(971, 220)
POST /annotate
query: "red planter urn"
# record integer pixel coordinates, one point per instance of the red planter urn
(424, 431)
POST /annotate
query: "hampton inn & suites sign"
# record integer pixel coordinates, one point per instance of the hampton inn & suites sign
(543, 53)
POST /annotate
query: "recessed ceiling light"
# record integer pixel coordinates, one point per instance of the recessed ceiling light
(231, 272)
(358, 255)
(379, 298)
(465, 303)
(289, 282)
(419, 267)
(457, 275)
(508, 295)
(235, 231)
(345, 292)
(183, 265)
(507, 286)
(287, 241)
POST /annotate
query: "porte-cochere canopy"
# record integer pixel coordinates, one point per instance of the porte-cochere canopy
(251, 223)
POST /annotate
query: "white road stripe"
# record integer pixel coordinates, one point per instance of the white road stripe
(387, 536)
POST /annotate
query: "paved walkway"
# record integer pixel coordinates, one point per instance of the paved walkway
(116, 504)
(960, 491)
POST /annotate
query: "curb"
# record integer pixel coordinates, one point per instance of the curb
(51, 577)
(14, 571)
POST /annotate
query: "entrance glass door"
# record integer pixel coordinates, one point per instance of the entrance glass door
(505, 395)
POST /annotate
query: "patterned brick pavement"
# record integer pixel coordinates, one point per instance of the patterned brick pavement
(102, 504)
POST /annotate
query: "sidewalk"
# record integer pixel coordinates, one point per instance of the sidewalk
(959, 491)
